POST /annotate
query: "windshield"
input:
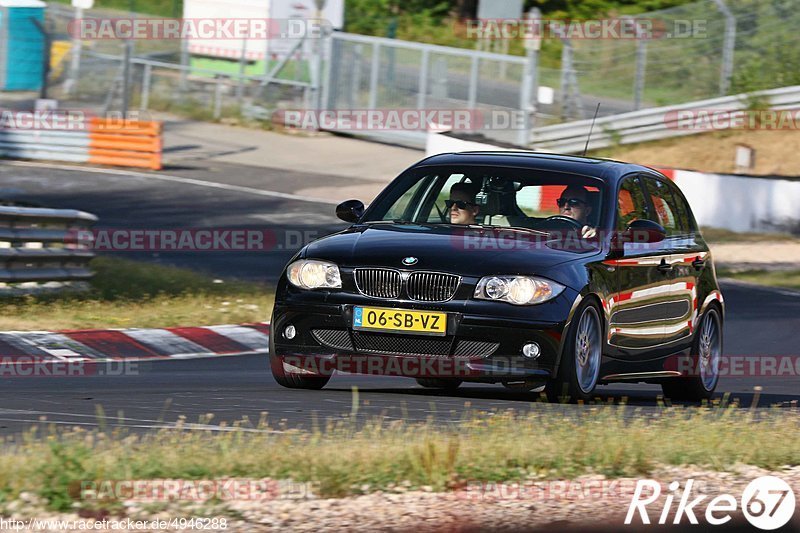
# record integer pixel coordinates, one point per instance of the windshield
(490, 196)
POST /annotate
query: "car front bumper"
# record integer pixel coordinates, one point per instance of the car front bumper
(483, 343)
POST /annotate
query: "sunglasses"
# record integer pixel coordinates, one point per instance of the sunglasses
(572, 202)
(461, 204)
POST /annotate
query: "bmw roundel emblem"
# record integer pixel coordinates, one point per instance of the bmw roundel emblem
(410, 261)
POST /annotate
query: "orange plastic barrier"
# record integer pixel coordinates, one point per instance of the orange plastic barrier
(128, 143)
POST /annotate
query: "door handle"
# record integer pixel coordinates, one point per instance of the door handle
(698, 263)
(664, 266)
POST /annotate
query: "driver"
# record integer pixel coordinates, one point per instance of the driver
(461, 205)
(574, 203)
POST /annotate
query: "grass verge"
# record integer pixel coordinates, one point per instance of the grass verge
(724, 236)
(789, 279)
(133, 294)
(345, 458)
(715, 151)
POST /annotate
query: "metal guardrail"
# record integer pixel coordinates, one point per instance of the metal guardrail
(42, 245)
(650, 124)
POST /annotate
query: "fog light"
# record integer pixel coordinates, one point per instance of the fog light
(289, 332)
(531, 350)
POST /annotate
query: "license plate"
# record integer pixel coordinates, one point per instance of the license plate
(382, 319)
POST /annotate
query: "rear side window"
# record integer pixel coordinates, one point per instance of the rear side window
(684, 212)
(631, 203)
(665, 209)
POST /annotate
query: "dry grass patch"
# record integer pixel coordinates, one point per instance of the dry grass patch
(777, 152)
(132, 294)
(345, 458)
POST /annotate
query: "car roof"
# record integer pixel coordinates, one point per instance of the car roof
(588, 166)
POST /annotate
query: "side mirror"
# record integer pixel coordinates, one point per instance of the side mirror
(639, 232)
(350, 210)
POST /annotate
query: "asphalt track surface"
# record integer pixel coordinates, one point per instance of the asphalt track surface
(760, 322)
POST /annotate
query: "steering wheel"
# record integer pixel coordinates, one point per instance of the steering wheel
(564, 220)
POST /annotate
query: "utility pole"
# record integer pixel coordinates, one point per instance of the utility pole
(126, 79)
(529, 95)
(316, 57)
(728, 48)
(46, 56)
(77, 45)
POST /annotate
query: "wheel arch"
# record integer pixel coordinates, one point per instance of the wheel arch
(580, 300)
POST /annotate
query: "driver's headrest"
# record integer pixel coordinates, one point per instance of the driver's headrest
(593, 199)
(497, 197)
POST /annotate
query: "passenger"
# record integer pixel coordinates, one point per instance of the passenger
(574, 203)
(461, 205)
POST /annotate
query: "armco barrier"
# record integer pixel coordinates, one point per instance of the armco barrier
(649, 124)
(99, 141)
(39, 245)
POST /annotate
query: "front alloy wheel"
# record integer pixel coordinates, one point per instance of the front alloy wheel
(579, 370)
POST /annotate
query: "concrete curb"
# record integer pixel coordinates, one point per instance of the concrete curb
(107, 345)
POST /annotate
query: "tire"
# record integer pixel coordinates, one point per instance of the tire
(292, 380)
(706, 355)
(579, 370)
(439, 383)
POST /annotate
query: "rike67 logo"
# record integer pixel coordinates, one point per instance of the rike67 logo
(767, 503)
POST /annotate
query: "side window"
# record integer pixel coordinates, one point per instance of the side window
(401, 206)
(631, 204)
(684, 216)
(666, 212)
(444, 194)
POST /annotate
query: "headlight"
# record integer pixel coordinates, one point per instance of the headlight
(313, 274)
(517, 290)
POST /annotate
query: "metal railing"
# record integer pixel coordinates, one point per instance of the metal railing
(43, 245)
(652, 124)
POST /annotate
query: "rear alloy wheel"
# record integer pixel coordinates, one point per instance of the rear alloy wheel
(579, 370)
(706, 355)
(439, 383)
(293, 380)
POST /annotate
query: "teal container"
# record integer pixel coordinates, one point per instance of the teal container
(22, 45)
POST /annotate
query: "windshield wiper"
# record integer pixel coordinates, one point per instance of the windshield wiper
(396, 221)
(517, 228)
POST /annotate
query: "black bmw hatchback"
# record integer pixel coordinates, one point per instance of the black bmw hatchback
(524, 269)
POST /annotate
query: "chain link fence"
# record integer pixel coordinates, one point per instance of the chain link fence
(375, 73)
(158, 74)
(700, 50)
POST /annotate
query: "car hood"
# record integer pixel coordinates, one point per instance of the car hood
(469, 251)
